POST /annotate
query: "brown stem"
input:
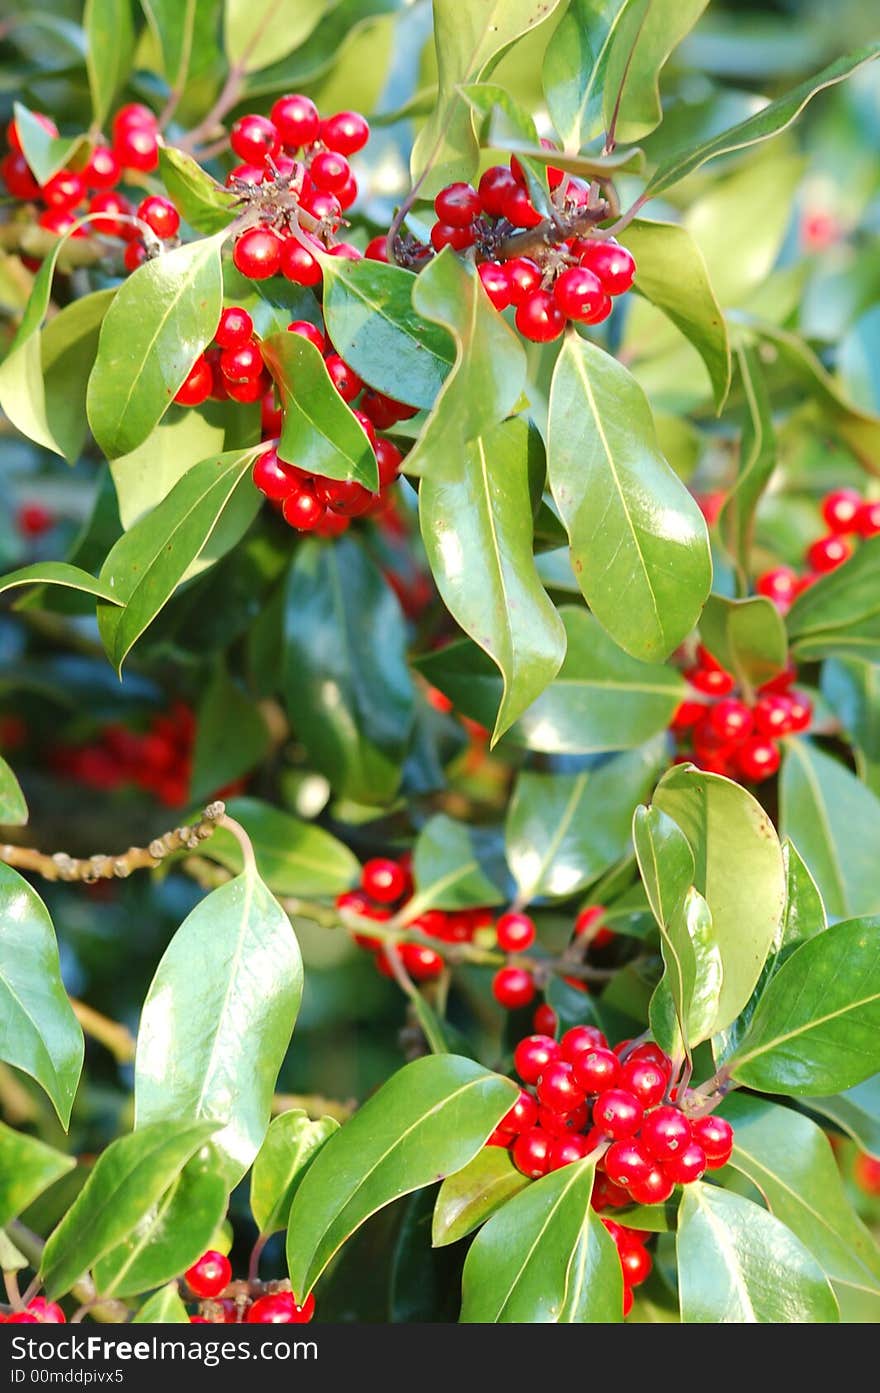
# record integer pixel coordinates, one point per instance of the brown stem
(552, 234)
(10, 1282)
(256, 1254)
(103, 866)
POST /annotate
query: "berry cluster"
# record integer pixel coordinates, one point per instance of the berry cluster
(723, 734)
(210, 1277)
(589, 1098)
(575, 279)
(514, 985)
(38, 1311)
(158, 760)
(849, 518)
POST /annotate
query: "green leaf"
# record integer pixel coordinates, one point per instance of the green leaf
(45, 153)
(68, 346)
(746, 636)
(11, 1259)
(294, 857)
(429, 1120)
(39, 1033)
(201, 201)
(839, 616)
(564, 830)
(27, 1168)
(128, 1178)
(320, 433)
(639, 544)
(109, 52)
(373, 325)
(544, 1257)
(147, 564)
(217, 760)
(13, 808)
(737, 1264)
(776, 116)
(346, 682)
(175, 24)
(739, 872)
(290, 1146)
(575, 65)
(757, 459)
(601, 699)
(449, 868)
(58, 573)
(503, 121)
(814, 1029)
(822, 804)
(467, 39)
(791, 1162)
(162, 318)
(211, 1041)
(260, 32)
(641, 46)
(170, 1237)
(489, 372)
(476, 523)
(852, 690)
(164, 1307)
(667, 868)
(465, 1200)
(673, 275)
(857, 1111)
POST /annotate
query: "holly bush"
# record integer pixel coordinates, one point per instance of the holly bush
(440, 472)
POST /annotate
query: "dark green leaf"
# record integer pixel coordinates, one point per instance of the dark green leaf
(217, 759)
(667, 867)
(575, 65)
(839, 616)
(200, 200)
(641, 46)
(13, 808)
(68, 347)
(129, 1177)
(852, 690)
(109, 52)
(211, 1041)
(449, 866)
(639, 544)
(177, 25)
(746, 636)
(429, 1120)
(757, 459)
(27, 1168)
(45, 153)
(39, 1033)
(260, 32)
(58, 573)
(290, 1146)
(294, 857)
(162, 318)
(466, 1199)
(737, 1264)
(164, 1307)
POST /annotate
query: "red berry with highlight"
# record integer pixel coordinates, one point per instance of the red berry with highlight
(307, 331)
(330, 171)
(159, 214)
(519, 209)
(209, 1276)
(494, 185)
(828, 553)
(654, 1189)
(137, 147)
(254, 138)
(580, 1040)
(665, 1132)
(302, 509)
(274, 478)
(296, 120)
(578, 293)
(298, 264)
(496, 283)
(636, 1263)
(103, 170)
(280, 1308)
(383, 879)
(513, 987)
(235, 328)
(521, 1116)
(618, 1113)
(597, 1071)
(730, 719)
(346, 132)
(687, 1165)
(645, 1079)
(566, 1150)
(64, 190)
(868, 520)
(627, 1163)
(458, 204)
(758, 759)
(196, 386)
(611, 263)
(533, 1055)
(715, 1136)
(515, 932)
(558, 1088)
(532, 1152)
(840, 510)
(539, 318)
(257, 253)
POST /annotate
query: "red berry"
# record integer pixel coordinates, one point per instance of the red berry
(688, 1165)
(133, 114)
(377, 249)
(618, 1113)
(257, 253)
(280, 1308)
(346, 132)
(347, 195)
(366, 426)
(538, 317)
(496, 283)
(580, 1040)
(654, 1189)
(14, 139)
(298, 264)
(566, 1150)
(866, 1173)
(597, 1070)
(686, 715)
(578, 293)
(532, 1056)
(245, 174)
(383, 879)
(109, 212)
(254, 138)
(828, 553)
(344, 379)
(715, 1136)
(800, 712)
(779, 585)
(348, 498)
(665, 1132)
(445, 235)
(64, 190)
(712, 681)
(868, 519)
(330, 171)
(627, 1163)
(135, 255)
(613, 264)
(545, 1020)
(324, 206)
(208, 1276)
(136, 147)
(757, 759)
(235, 328)
(241, 364)
(302, 508)
(730, 719)
(513, 987)
(307, 331)
(605, 1193)
(32, 520)
(494, 185)
(275, 479)
(840, 510)
(636, 1263)
(598, 935)
(196, 386)
(458, 204)
(645, 1079)
(389, 460)
(521, 1116)
(562, 1124)
(251, 390)
(159, 214)
(296, 120)
(558, 1088)
(518, 208)
(46, 1312)
(103, 170)
(18, 178)
(781, 713)
(422, 963)
(524, 276)
(532, 1151)
(515, 932)
(650, 1050)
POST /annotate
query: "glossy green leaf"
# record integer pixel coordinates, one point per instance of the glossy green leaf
(374, 326)
(639, 544)
(575, 66)
(857, 1111)
(739, 872)
(346, 682)
(170, 1237)
(178, 26)
(776, 116)
(128, 1178)
(465, 1200)
(45, 153)
(58, 573)
(641, 46)
(429, 1120)
(852, 690)
(839, 616)
(147, 564)
(109, 52)
(544, 1257)
(476, 524)
(815, 1028)
(68, 346)
(320, 433)
(13, 808)
(164, 1307)
(260, 32)
(467, 40)
(162, 318)
(791, 1162)
(27, 1168)
(746, 636)
(489, 373)
(201, 201)
(290, 1146)
(217, 760)
(293, 857)
(502, 122)
(757, 459)
(822, 803)
(673, 275)
(39, 1033)
(737, 1264)
(449, 867)
(667, 868)
(211, 1041)
(601, 699)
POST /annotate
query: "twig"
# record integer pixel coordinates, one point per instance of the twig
(115, 1037)
(244, 841)
(231, 89)
(10, 1282)
(550, 233)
